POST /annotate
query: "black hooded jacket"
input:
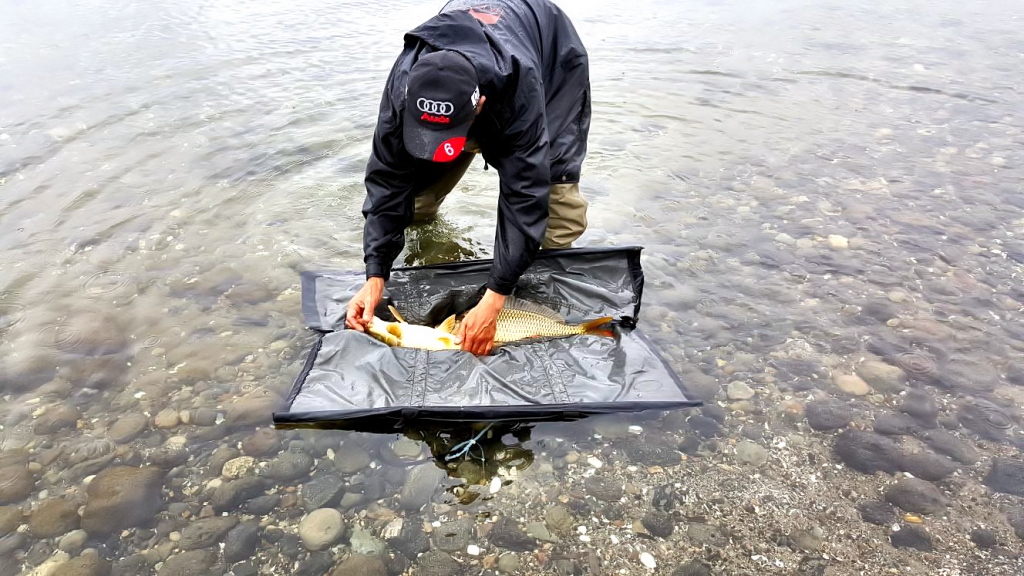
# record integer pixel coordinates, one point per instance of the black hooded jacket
(533, 69)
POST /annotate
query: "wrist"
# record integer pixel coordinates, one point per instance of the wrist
(376, 283)
(493, 300)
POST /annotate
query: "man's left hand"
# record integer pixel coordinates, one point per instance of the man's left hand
(476, 333)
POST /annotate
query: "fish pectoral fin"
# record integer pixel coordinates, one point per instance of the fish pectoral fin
(396, 313)
(594, 327)
(448, 325)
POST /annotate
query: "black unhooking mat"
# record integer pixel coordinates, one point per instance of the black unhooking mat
(351, 380)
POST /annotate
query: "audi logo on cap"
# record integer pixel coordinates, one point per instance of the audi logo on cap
(432, 107)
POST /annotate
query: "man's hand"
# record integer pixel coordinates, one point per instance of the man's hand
(362, 305)
(476, 333)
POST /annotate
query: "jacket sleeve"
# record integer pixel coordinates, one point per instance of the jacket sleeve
(390, 201)
(524, 172)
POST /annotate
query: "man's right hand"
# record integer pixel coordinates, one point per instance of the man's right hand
(362, 305)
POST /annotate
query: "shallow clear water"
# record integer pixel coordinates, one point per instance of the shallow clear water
(819, 186)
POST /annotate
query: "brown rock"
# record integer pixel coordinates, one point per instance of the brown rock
(189, 563)
(128, 428)
(53, 517)
(883, 377)
(262, 442)
(361, 565)
(16, 483)
(852, 384)
(10, 519)
(88, 564)
(254, 408)
(122, 497)
(56, 419)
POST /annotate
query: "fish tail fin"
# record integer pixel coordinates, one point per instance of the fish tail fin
(396, 314)
(595, 327)
(448, 325)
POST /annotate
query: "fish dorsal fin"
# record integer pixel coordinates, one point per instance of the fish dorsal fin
(513, 303)
(448, 325)
(396, 314)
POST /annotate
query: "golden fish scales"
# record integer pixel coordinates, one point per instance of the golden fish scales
(523, 320)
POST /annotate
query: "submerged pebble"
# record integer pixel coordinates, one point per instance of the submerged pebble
(351, 458)
(825, 415)
(53, 517)
(122, 497)
(419, 486)
(206, 532)
(895, 425)
(910, 536)
(914, 495)
(704, 427)
(984, 419)
(1015, 518)
(876, 512)
(927, 465)
(946, 443)
(658, 523)
(737, 390)
(437, 563)
(127, 428)
(920, 405)
(453, 536)
(56, 419)
(1006, 476)
(882, 377)
(751, 453)
(651, 454)
(603, 488)
(190, 563)
(360, 564)
(984, 538)
(507, 534)
(692, 568)
(851, 384)
(558, 519)
(867, 452)
(321, 528)
(16, 483)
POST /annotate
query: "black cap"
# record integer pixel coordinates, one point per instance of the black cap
(440, 101)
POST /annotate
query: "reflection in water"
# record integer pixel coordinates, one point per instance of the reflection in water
(438, 241)
(477, 454)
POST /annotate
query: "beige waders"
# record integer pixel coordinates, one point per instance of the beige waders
(567, 217)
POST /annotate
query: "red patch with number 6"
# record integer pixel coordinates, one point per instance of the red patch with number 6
(450, 149)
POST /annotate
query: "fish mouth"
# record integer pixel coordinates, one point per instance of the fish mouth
(387, 332)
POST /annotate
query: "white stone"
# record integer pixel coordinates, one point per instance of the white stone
(647, 560)
(320, 528)
(393, 529)
(473, 550)
(838, 242)
(239, 467)
(495, 485)
(594, 462)
(52, 564)
(739, 391)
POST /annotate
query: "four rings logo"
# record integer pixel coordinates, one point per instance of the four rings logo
(432, 107)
